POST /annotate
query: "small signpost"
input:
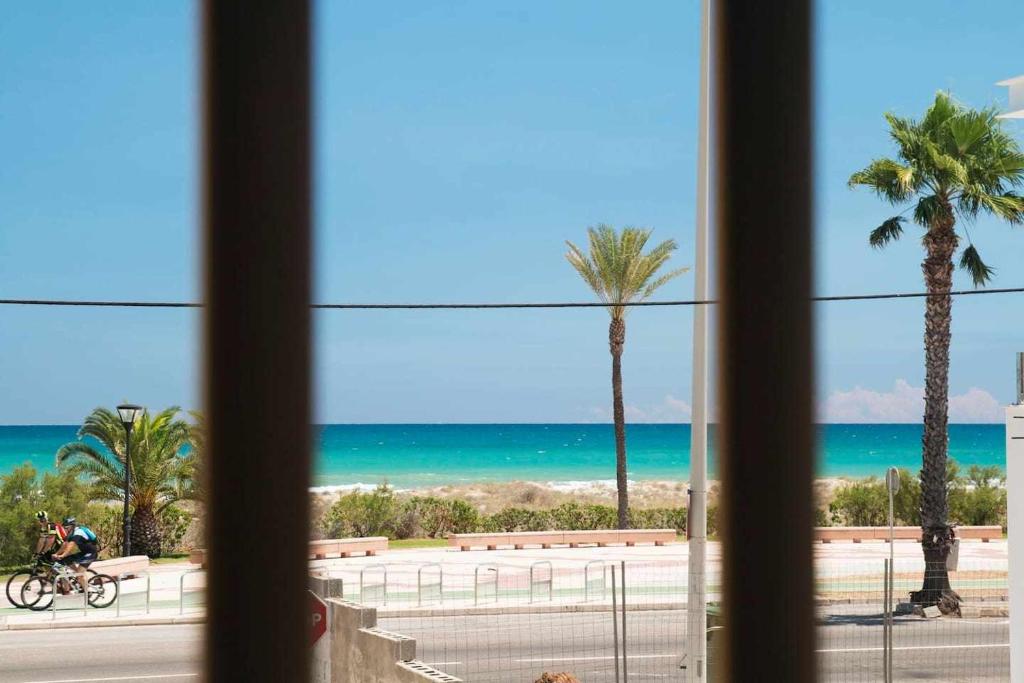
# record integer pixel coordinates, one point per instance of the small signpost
(319, 640)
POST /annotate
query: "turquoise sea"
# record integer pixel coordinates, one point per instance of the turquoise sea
(435, 454)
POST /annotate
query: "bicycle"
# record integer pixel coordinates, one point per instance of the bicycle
(18, 579)
(102, 588)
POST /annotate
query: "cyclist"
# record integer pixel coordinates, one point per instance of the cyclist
(51, 535)
(79, 549)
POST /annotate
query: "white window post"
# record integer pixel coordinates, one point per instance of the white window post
(1015, 524)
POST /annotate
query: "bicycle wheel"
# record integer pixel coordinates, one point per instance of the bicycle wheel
(14, 587)
(102, 591)
(37, 593)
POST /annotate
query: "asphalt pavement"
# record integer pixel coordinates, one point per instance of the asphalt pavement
(146, 654)
(519, 647)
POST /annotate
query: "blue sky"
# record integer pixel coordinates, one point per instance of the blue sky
(458, 145)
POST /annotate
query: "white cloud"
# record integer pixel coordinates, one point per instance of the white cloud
(905, 403)
(671, 409)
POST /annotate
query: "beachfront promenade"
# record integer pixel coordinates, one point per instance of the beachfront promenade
(506, 614)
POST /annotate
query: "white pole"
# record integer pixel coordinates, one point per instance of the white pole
(696, 620)
(1015, 528)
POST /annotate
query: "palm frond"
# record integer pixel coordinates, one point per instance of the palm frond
(930, 210)
(955, 161)
(890, 180)
(971, 262)
(160, 466)
(616, 267)
(889, 231)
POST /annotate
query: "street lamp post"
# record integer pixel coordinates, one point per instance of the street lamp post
(128, 413)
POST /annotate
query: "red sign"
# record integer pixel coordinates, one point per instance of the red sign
(318, 613)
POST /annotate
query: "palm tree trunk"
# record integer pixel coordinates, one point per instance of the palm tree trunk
(616, 342)
(146, 532)
(936, 534)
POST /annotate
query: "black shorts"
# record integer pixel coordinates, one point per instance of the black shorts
(84, 559)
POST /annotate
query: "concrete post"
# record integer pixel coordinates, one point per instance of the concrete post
(326, 587)
(1015, 542)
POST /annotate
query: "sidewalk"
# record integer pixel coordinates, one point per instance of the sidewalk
(166, 603)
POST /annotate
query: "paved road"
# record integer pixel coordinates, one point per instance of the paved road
(491, 648)
(147, 654)
(516, 647)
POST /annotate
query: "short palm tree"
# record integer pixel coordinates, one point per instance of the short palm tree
(620, 273)
(952, 165)
(161, 470)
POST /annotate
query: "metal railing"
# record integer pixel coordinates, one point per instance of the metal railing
(120, 594)
(181, 589)
(587, 581)
(419, 582)
(535, 582)
(490, 567)
(363, 586)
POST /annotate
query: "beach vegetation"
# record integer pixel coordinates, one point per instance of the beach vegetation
(616, 268)
(518, 519)
(979, 498)
(860, 503)
(951, 165)
(435, 517)
(23, 492)
(382, 512)
(360, 514)
(162, 471)
(976, 498)
(576, 516)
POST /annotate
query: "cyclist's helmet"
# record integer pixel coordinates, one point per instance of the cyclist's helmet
(42, 516)
(70, 521)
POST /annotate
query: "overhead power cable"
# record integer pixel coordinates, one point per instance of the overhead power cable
(425, 306)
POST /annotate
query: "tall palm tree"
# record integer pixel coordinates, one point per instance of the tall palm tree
(620, 273)
(161, 471)
(951, 165)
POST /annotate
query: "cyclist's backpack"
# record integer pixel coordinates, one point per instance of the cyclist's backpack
(89, 535)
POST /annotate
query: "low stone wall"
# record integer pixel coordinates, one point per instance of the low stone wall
(362, 652)
(122, 565)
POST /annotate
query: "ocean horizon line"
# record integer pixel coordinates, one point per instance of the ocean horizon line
(534, 424)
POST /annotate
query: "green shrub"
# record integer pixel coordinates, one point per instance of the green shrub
(574, 516)
(975, 499)
(906, 503)
(363, 514)
(172, 524)
(979, 498)
(464, 517)
(658, 518)
(438, 517)
(108, 525)
(519, 519)
(861, 503)
(22, 493)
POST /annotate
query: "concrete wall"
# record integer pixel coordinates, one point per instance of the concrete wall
(362, 652)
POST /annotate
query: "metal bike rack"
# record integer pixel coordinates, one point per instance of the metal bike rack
(587, 580)
(53, 596)
(419, 582)
(549, 582)
(120, 595)
(181, 589)
(476, 581)
(380, 567)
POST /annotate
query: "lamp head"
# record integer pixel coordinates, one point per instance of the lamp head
(128, 412)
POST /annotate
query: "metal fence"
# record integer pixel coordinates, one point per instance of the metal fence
(925, 644)
(505, 622)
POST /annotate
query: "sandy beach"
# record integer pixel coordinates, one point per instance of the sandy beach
(489, 498)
